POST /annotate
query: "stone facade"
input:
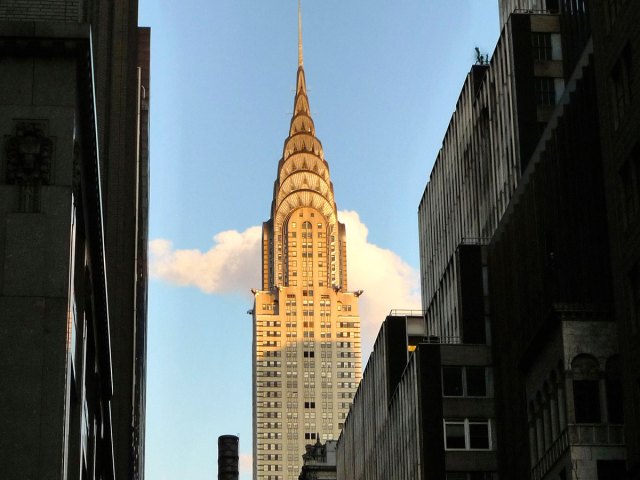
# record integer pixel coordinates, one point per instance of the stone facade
(73, 267)
(615, 36)
(319, 462)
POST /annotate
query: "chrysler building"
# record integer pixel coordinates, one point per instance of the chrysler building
(306, 325)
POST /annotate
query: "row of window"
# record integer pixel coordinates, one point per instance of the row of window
(308, 313)
(270, 457)
(269, 446)
(306, 234)
(305, 225)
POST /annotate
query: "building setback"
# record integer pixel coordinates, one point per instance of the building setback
(74, 91)
(424, 410)
(306, 344)
(499, 115)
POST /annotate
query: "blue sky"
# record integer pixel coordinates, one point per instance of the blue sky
(383, 80)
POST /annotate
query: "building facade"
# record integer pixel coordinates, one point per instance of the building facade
(558, 367)
(424, 409)
(499, 115)
(520, 175)
(615, 37)
(73, 160)
(319, 461)
(306, 345)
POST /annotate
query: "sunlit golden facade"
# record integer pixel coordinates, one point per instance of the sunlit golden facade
(306, 356)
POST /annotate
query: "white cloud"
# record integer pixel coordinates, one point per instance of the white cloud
(232, 265)
(387, 280)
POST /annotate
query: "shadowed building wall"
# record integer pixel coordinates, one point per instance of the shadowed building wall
(74, 187)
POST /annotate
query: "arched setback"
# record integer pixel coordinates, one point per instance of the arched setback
(308, 252)
(304, 180)
(302, 142)
(304, 199)
(303, 161)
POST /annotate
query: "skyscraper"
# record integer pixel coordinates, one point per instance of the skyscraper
(306, 345)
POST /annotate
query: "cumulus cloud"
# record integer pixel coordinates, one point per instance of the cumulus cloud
(232, 265)
(387, 280)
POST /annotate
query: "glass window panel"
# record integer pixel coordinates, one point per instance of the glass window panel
(479, 436)
(476, 382)
(586, 398)
(452, 381)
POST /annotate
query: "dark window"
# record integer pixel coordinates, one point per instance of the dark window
(541, 43)
(467, 434)
(634, 296)
(452, 381)
(552, 6)
(456, 476)
(479, 436)
(476, 382)
(620, 90)
(545, 91)
(630, 183)
(611, 469)
(613, 376)
(586, 401)
(464, 381)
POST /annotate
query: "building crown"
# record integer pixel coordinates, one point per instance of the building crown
(303, 181)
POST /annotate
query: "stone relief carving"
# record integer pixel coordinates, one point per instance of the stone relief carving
(28, 162)
(29, 155)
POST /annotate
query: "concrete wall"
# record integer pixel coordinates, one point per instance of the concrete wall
(35, 243)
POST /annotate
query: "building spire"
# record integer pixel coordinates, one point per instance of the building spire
(300, 62)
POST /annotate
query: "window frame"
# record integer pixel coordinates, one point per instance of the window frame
(466, 422)
(465, 389)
